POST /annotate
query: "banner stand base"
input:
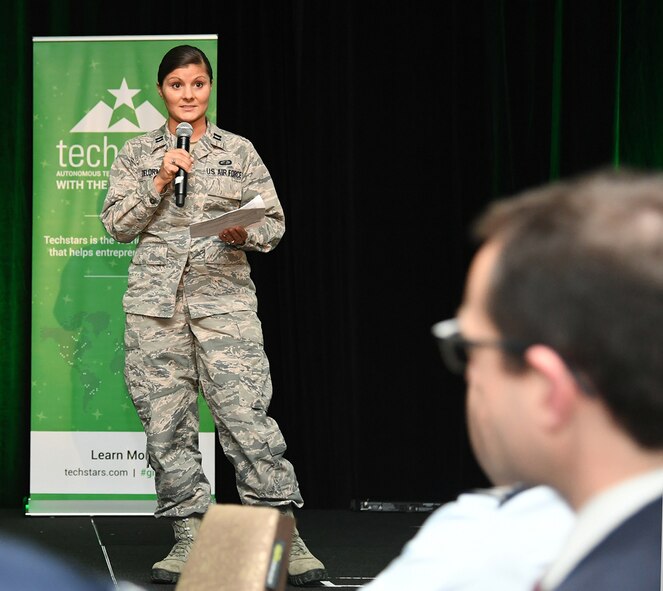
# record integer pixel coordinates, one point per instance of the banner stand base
(62, 508)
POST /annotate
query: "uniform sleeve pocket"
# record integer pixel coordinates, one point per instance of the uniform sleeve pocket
(151, 254)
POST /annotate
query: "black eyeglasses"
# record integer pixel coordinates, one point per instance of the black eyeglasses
(455, 348)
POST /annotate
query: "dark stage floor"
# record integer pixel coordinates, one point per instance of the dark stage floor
(354, 545)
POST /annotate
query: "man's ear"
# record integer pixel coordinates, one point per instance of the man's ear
(560, 389)
(159, 90)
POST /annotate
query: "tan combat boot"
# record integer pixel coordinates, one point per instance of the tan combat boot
(303, 567)
(168, 570)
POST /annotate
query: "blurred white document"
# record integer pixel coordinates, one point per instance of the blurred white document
(247, 215)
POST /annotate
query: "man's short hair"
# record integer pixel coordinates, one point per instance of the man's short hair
(581, 270)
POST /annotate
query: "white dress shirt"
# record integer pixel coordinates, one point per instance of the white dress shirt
(480, 543)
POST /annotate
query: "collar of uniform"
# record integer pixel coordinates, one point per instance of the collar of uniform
(160, 137)
(209, 140)
(163, 136)
(216, 137)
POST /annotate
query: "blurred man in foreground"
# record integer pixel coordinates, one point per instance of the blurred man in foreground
(561, 331)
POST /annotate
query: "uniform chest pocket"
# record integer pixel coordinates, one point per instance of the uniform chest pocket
(220, 255)
(223, 194)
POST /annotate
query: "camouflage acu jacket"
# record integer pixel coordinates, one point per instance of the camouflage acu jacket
(228, 172)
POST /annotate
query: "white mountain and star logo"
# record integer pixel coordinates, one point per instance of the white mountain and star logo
(122, 117)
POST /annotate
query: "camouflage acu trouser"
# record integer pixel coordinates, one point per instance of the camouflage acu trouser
(167, 359)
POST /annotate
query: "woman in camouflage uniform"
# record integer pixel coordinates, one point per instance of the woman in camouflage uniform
(190, 306)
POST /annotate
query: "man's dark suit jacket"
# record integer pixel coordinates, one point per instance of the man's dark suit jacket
(628, 559)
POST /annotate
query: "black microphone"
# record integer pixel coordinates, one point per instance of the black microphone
(184, 131)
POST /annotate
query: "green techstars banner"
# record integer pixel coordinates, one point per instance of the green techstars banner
(91, 94)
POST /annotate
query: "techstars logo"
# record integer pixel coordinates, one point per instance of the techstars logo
(122, 117)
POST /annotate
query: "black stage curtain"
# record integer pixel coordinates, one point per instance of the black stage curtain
(387, 127)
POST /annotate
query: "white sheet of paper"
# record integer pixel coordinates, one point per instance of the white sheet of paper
(247, 215)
